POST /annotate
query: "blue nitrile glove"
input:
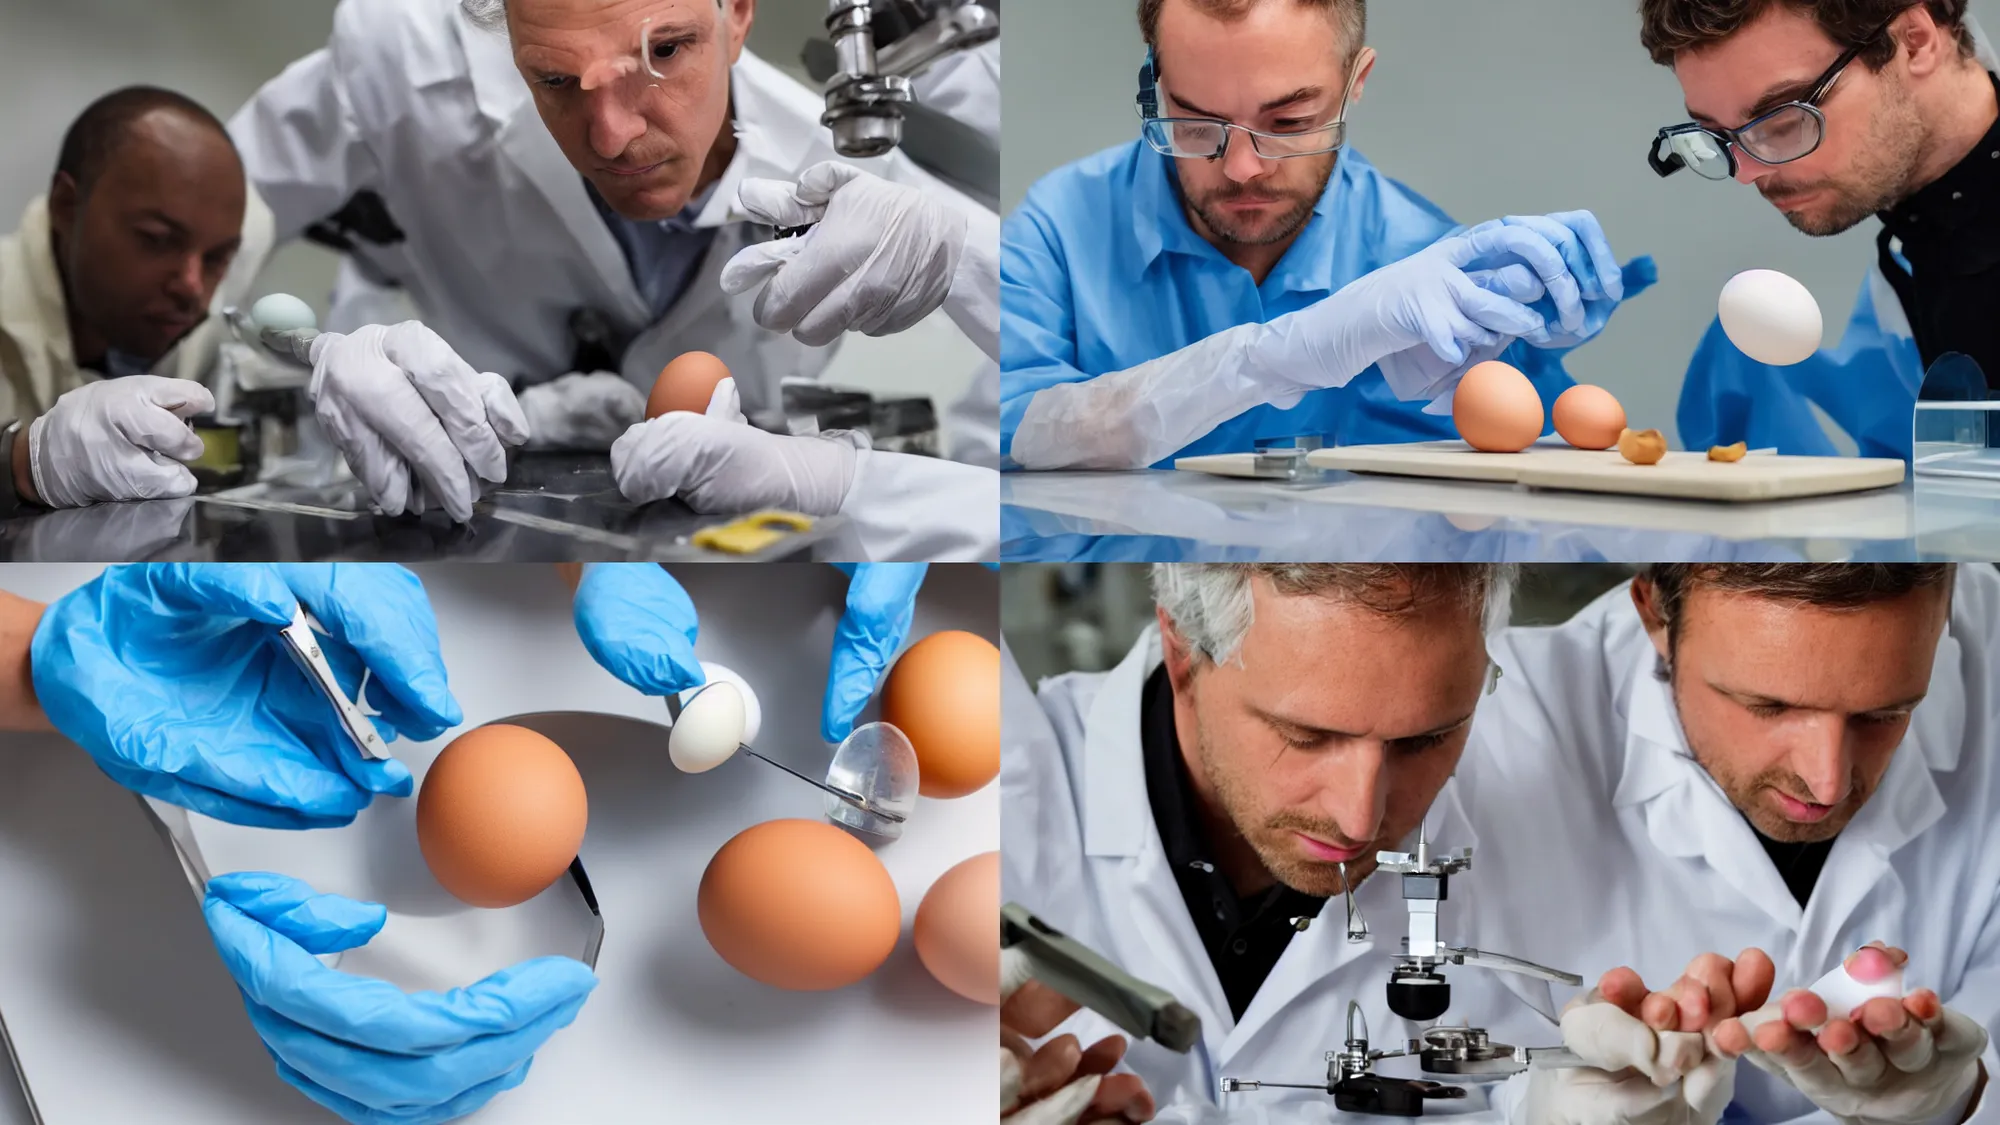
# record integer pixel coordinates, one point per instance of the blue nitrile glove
(881, 601)
(364, 1048)
(1605, 284)
(638, 623)
(173, 678)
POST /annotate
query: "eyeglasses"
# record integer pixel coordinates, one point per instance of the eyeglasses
(1792, 131)
(1206, 138)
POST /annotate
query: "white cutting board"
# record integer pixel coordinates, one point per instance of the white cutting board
(1686, 476)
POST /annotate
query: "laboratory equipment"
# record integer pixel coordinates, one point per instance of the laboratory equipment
(1956, 428)
(877, 47)
(263, 423)
(871, 784)
(1418, 992)
(1069, 967)
(301, 642)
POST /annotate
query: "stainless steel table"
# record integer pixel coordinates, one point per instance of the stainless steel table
(1160, 516)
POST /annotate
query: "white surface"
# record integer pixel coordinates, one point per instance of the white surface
(109, 971)
(1681, 475)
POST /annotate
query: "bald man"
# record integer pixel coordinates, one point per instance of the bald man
(107, 294)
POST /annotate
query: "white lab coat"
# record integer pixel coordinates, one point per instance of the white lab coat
(1610, 846)
(37, 361)
(1079, 848)
(503, 244)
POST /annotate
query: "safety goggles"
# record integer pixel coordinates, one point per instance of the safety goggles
(629, 58)
(1206, 138)
(1792, 131)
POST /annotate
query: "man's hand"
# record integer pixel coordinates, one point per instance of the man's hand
(1062, 1083)
(114, 439)
(1889, 1061)
(581, 411)
(417, 424)
(1648, 1061)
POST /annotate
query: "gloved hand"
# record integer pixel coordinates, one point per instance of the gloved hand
(716, 465)
(639, 624)
(172, 677)
(363, 1048)
(1061, 1083)
(1134, 418)
(1911, 1061)
(881, 601)
(117, 439)
(883, 257)
(1649, 1061)
(416, 423)
(583, 412)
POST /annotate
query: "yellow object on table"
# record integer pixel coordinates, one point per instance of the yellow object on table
(753, 533)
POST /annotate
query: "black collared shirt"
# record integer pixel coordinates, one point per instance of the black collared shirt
(1799, 864)
(1244, 936)
(1950, 234)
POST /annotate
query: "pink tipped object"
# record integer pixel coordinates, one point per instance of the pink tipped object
(1866, 975)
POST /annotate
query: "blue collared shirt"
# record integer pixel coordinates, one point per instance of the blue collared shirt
(663, 256)
(1100, 271)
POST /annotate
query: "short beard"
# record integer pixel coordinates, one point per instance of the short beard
(1881, 176)
(1208, 209)
(1321, 880)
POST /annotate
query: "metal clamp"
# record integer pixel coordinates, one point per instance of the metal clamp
(301, 642)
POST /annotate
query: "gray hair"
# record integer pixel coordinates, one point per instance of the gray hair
(1210, 604)
(486, 15)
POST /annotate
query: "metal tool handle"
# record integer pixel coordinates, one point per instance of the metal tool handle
(295, 345)
(1506, 964)
(301, 640)
(1069, 967)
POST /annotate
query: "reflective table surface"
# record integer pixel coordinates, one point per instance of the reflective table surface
(1163, 516)
(553, 508)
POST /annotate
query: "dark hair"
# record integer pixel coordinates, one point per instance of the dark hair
(1352, 14)
(1668, 27)
(1819, 585)
(95, 135)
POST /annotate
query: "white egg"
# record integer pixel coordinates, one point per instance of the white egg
(1771, 317)
(753, 715)
(1843, 993)
(709, 730)
(282, 312)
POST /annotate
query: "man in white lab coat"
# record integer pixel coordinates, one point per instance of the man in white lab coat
(556, 184)
(106, 292)
(1188, 814)
(1796, 759)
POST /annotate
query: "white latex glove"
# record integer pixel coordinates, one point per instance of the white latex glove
(117, 439)
(883, 257)
(716, 462)
(579, 411)
(1133, 418)
(1635, 1076)
(416, 423)
(1922, 1073)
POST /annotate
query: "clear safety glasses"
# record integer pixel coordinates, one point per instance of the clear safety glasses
(1205, 138)
(621, 67)
(1792, 131)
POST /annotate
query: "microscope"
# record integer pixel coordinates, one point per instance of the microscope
(878, 46)
(1418, 992)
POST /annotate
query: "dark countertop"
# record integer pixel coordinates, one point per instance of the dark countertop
(553, 508)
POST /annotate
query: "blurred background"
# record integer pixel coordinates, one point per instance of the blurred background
(1487, 109)
(1083, 617)
(60, 57)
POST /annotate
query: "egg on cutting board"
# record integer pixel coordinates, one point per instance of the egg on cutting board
(686, 384)
(1497, 409)
(1589, 417)
(500, 816)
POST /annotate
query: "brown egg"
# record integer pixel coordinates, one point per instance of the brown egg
(1496, 409)
(501, 815)
(686, 384)
(1589, 417)
(944, 693)
(958, 929)
(799, 904)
